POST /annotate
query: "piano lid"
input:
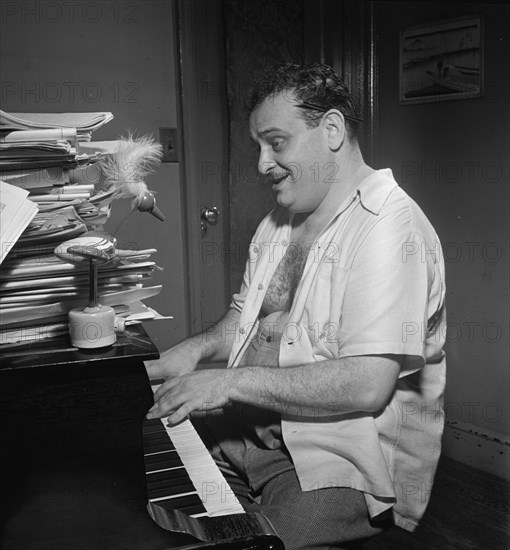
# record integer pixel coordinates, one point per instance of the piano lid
(134, 344)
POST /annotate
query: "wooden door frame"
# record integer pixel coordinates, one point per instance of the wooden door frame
(202, 117)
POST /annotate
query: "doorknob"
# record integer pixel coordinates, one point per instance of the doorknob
(208, 216)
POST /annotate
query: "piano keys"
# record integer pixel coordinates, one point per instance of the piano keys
(73, 472)
(178, 465)
(188, 493)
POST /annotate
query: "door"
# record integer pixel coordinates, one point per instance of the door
(204, 160)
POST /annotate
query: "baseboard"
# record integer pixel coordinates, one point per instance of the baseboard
(474, 446)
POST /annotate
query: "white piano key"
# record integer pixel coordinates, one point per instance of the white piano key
(168, 497)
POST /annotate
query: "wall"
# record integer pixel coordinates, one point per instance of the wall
(453, 158)
(107, 56)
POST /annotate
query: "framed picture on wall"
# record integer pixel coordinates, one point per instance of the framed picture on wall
(441, 61)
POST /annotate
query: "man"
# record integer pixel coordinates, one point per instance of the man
(330, 415)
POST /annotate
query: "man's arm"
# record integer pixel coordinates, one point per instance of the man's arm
(213, 344)
(349, 384)
(325, 388)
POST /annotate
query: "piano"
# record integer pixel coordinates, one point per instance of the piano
(83, 469)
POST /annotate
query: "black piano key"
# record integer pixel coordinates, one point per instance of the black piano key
(158, 492)
(162, 461)
(153, 457)
(171, 486)
(176, 482)
(155, 447)
(179, 474)
(157, 436)
(169, 481)
(165, 466)
(152, 424)
(154, 429)
(151, 431)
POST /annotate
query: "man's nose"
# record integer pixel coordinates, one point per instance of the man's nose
(266, 163)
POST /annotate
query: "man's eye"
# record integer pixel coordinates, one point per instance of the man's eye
(277, 144)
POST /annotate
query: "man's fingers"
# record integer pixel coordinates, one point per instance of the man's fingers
(166, 403)
(195, 392)
(164, 388)
(179, 415)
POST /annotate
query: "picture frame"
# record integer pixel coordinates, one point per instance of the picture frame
(441, 61)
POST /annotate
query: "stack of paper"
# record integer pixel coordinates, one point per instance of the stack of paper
(85, 123)
(31, 144)
(37, 290)
(41, 152)
(34, 180)
(16, 212)
(65, 200)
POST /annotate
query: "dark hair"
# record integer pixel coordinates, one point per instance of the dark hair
(316, 86)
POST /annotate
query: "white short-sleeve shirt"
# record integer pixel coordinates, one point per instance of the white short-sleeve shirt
(373, 284)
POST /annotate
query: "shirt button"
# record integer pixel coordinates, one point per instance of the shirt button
(242, 330)
(261, 286)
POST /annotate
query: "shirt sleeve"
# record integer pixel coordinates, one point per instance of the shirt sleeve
(386, 298)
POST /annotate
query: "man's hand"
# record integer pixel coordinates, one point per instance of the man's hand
(181, 359)
(214, 344)
(197, 391)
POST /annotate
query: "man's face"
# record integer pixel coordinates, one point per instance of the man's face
(294, 156)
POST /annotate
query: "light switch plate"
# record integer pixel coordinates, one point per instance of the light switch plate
(168, 140)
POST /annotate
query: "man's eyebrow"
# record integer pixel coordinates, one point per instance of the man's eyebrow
(269, 130)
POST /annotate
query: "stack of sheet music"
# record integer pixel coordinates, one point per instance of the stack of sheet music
(85, 123)
(16, 212)
(39, 151)
(37, 290)
(54, 177)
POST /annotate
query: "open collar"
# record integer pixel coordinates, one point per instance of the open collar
(375, 189)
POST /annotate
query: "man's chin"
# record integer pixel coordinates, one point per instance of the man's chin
(291, 206)
(280, 199)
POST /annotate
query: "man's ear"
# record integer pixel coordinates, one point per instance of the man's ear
(334, 124)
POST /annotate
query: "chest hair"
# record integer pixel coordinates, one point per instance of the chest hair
(282, 287)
